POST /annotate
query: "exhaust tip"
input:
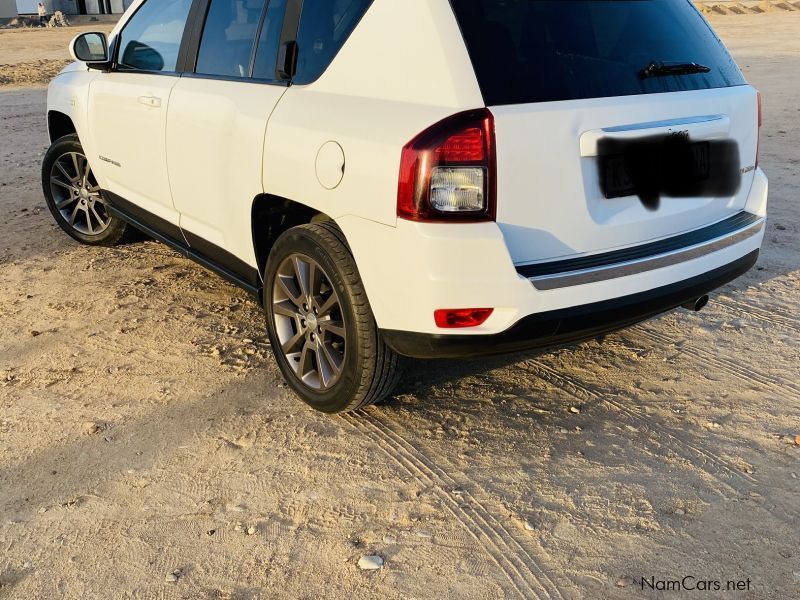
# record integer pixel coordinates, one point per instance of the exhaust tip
(697, 304)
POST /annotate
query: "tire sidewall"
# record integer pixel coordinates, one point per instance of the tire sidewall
(304, 241)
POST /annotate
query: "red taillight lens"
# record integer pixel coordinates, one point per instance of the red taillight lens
(464, 147)
(461, 317)
(760, 122)
(447, 172)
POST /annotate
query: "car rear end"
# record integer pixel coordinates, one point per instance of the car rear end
(612, 175)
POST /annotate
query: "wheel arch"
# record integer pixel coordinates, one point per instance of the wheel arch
(59, 125)
(273, 215)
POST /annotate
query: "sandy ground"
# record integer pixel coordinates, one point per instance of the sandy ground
(33, 56)
(148, 448)
(743, 7)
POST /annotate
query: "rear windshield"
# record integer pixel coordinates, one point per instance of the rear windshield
(544, 50)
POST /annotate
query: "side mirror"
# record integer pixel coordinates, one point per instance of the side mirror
(90, 48)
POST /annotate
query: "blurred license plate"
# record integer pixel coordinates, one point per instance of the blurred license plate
(664, 168)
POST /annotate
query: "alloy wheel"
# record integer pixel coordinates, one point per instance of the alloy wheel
(309, 322)
(77, 195)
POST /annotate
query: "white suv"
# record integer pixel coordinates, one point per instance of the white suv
(421, 178)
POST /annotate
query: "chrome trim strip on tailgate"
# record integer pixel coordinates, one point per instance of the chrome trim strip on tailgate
(543, 278)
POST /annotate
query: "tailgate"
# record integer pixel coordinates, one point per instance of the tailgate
(550, 200)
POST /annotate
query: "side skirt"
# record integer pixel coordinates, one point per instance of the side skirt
(204, 253)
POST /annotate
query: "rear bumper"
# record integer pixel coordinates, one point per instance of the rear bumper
(570, 324)
(413, 269)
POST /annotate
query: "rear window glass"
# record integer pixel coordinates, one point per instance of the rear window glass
(228, 38)
(545, 50)
(267, 52)
(325, 26)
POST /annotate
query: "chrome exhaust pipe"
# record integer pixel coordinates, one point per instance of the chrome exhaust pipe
(697, 304)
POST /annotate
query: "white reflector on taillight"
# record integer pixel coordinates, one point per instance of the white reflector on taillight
(458, 189)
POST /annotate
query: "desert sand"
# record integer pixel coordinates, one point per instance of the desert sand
(149, 449)
(32, 56)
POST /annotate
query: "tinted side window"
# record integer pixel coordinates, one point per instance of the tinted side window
(325, 26)
(269, 40)
(152, 38)
(546, 50)
(228, 36)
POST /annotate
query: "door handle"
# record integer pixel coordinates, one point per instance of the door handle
(152, 101)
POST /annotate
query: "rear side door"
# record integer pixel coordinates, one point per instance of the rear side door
(127, 113)
(216, 124)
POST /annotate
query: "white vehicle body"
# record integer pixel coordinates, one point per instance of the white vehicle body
(195, 154)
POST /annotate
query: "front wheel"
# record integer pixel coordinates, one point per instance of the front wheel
(320, 324)
(74, 198)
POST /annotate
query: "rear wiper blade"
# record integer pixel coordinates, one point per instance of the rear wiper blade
(660, 69)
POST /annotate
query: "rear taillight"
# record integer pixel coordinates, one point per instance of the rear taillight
(447, 172)
(760, 122)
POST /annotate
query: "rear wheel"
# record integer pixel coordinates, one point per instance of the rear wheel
(73, 195)
(320, 323)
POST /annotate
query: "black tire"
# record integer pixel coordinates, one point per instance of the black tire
(370, 369)
(96, 229)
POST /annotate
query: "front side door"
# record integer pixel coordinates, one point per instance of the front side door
(216, 125)
(128, 112)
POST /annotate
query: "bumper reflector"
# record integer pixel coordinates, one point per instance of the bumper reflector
(461, 317)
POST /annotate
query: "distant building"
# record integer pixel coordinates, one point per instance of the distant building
(69, 7)
(8, 9)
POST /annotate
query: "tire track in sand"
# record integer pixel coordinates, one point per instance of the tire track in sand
(751, 377)
(775, 318)
(450, 479)
(675, 444)
(526, 577)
